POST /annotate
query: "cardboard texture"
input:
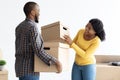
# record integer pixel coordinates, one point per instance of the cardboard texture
(107, 58)
(54, 32)
(106, 71)
(4, 75)
(59, 51)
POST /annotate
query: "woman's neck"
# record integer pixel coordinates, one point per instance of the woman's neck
(88, 37)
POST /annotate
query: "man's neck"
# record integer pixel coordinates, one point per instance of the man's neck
(31, 18)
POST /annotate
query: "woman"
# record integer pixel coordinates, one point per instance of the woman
(85, 43)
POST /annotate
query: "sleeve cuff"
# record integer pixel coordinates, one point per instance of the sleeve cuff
(72, 45)
(52, 61)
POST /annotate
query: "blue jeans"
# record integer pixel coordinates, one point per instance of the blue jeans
(85, 72)
(29, 77)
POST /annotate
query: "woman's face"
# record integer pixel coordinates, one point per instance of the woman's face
(89, 30)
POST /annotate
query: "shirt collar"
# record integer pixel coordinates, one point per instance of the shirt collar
(28, 19)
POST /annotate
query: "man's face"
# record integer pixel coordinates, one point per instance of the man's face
(36, 16)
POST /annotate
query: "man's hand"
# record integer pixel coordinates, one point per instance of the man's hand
(59, 66)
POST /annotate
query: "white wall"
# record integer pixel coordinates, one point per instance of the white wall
(74, 13)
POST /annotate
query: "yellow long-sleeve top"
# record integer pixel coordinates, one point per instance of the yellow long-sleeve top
(84, 48)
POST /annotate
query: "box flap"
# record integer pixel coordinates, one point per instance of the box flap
(50, 25)
(53, 24)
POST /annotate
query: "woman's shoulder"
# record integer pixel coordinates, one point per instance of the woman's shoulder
(97, 40)
(81, 31)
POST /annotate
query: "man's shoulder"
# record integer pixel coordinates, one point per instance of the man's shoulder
(22, 27)
(26, 24)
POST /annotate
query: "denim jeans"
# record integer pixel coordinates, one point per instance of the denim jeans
(29, 77)
(85, 72)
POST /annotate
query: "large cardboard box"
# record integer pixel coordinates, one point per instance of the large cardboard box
(105, 71)
(107, 58)
(54, 32)
(59, 51)
(4, 75)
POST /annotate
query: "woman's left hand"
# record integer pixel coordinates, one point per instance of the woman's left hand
(68, 39)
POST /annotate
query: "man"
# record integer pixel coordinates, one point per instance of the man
(29, 42)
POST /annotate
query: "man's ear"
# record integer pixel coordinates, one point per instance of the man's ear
(33, 12)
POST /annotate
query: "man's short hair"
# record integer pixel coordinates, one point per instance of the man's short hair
(28, 7)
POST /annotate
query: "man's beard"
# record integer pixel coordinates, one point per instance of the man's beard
(36, 19)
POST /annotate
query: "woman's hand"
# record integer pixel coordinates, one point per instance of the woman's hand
(68, 39)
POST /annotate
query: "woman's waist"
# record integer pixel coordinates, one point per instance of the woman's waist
(85, 61)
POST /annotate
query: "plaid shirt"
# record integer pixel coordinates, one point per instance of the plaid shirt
(29, 42)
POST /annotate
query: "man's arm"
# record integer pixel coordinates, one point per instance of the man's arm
(38, 48)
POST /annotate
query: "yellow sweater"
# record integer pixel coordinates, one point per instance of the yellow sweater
(84, 49)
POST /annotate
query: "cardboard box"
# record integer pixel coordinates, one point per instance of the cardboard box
(4, 75)
(59, 51)
(106, 71)
(54, 32)
(106, 58)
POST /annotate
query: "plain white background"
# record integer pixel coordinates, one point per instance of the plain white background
(73, 13)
